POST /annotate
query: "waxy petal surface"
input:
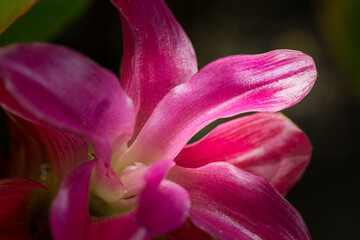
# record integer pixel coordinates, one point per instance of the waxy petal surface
(15, 199)
(157, 54)
(163, 205)
(227, 87)
(69, 215)
(65, 89)
(267, 144)
(234, 204)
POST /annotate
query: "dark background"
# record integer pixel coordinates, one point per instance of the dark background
(326, 196)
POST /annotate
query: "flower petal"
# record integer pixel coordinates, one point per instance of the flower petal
(69, 215)
(163, 205)
(40, 152)
(55, 85)
(157, 54)
(234, 204)
(27, 154)
(15, 198)
(66, 151)
(227, 87)
(267, 144)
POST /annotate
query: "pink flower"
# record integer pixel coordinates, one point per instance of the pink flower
(144, 181)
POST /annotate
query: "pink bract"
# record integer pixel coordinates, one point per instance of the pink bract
(142, 180)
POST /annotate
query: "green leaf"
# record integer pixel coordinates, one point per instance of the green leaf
(10, 10)
(340, 24)
(45, 21)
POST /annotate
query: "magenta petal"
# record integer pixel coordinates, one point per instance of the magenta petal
(15, 200)
(66, 151)
(163, 205)
(227, 87)
(69, 214)
(234, 204)
(58, 86)
(157, 53)
(267, 144)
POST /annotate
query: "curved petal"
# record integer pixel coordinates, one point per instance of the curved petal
(234, 204)
(267, 144)
(41, 153)
(163, 205)
(69, 214)
(227, 87)
(55, 85)
(157, 54)
(15, 199)
(27, 154)
(66, 151)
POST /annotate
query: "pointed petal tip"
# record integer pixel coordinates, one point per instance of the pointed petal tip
(267, 82)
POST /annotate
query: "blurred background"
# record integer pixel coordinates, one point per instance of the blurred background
(329, 31)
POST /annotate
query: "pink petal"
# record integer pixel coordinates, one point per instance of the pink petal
(55, 85)
(67, 151)
(267, 144)
(227, 87)
(163, 205)
(234, 204)
(15, 199)
(157, 53)
(69, 214)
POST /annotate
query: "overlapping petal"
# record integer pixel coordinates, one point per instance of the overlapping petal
(27, 153)
(66, 151)
(234, 204)
(15, 199)
(69, 216)
(157, 53)
(40, 153)
(229, 86)
(65, 89)
(267, 144)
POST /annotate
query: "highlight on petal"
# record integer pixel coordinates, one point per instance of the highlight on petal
(163, 205)
(55, 85)
(69, 214)
(267, 144)
(233, 204)
(15, 200)
(227, 87)
(157, 54)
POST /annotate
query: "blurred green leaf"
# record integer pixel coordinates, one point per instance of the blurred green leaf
(10, 10)
(47, 19)
(340, 23)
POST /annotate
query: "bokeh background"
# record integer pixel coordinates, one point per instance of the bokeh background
(329, 31)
